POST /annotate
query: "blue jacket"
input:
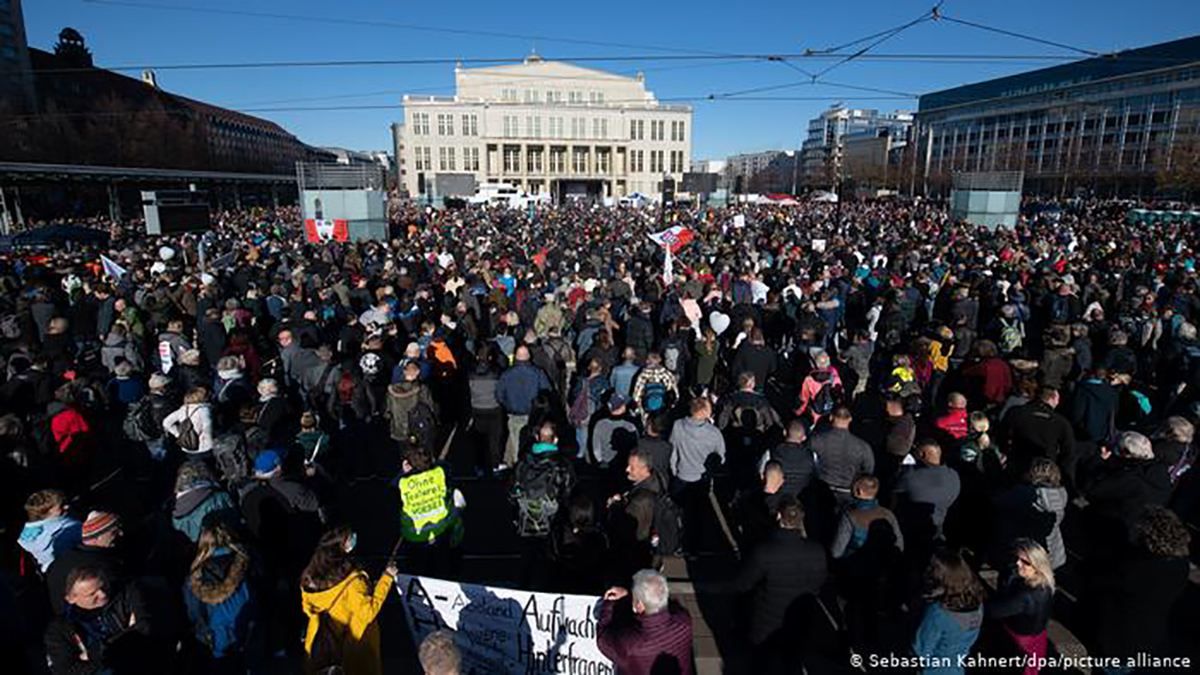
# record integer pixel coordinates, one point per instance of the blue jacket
(943, 635)
(518, 386)
(622, 376)
(44, 539)
(193, 506)
(221, 604)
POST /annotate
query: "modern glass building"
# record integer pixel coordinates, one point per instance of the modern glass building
(1109, 125)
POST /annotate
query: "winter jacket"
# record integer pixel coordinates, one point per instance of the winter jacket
(621, 378)
(118, 348)
(758, 359)
(841, 457)
(642, 643)
(1023, 609)
(1036, 430)
(352, 607)
(991, 381)
(483, 390)
(107, 560)
(518, 386)
(1121, 489)
(403, 398)
(935, 486)
(71, 432)
(692, 444)
(549, 316)
(195, 505)
(200, 415)
(733, 405)
(46, 539)
(171, 346)
(82, 642)
(798, 466)
(944, 635)
(953, 424)
(856, 524)
(1094, 410)
(781, 571)
(124, 391)
(221, 604)
(813, 384)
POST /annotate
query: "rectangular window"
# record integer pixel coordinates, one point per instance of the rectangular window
(602, 162)
(508, 95)
(656, 130)
(512, 159)
(511, 126)
(578, 127)
(579, 160)
(445, 124)
(575, 97)
(558, 160)
(470, 159)
(635, 161)
(421, 124)
(470, 125)
(600, 128)
(533, 161)
(531, 96)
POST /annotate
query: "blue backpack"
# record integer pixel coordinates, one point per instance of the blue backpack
(654, 397)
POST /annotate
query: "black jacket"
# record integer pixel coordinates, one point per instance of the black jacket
(758, 359)
(111, 643)
(782, 571)
(1094, 410)
(1036, 430)
(1134, 601)
(1119, 490)
(105, 559)
(798, 466)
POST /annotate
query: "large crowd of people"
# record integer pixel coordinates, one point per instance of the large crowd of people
(910, 434)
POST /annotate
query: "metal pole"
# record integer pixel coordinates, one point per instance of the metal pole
(17, 207)
(5, 219)
(114, 204)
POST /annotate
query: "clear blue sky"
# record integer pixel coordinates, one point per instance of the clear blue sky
(125, 35)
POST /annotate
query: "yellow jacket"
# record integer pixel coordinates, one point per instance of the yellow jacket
(353, 609)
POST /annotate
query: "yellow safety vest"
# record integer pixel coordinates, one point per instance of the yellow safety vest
(424, 497)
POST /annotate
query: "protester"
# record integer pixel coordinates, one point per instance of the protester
(659, 638)
(342, 607)
(953, 613)
(1023, 599)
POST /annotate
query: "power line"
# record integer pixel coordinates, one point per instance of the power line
(900, 58)
(382, 23)
(882, 38)
(1022, 36)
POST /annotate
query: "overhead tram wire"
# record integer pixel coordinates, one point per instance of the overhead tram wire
(883, 37)
(1022, 36)
(502, 60)
(384, 23)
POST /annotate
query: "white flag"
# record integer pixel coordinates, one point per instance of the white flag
(111, 268)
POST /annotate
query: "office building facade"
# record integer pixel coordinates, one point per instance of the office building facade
(1111, 124)
(545, 127)
(16, 81)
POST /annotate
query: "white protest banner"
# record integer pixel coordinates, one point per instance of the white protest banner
(818, 245)
(502, 630)
(739, 221)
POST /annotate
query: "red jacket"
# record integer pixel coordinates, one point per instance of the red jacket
(992, 379)
(954, 423)
(69, 428)
(642, 644)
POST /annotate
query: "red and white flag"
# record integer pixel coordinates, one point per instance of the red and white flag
(317, 231)
(673, 238)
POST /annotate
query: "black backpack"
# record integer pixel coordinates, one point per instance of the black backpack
(325, 657)
(826, 398)
(536, 492)
(667, 535)
(233, 461)
(422, 426)
(188, 438)
(139, 424)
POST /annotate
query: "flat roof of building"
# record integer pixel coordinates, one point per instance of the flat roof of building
(1127, 62)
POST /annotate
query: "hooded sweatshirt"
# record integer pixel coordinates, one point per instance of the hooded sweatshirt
(44, 539)
(352, 606)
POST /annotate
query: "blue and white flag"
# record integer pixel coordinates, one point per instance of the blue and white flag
(111, 268)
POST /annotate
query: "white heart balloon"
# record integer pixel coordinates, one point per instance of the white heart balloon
(719, 322)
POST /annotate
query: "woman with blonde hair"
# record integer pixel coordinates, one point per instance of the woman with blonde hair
(221, 602)
(1023, 601)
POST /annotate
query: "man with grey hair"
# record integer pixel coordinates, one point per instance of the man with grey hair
(658, 635)
(1120, 486)
(439, 655)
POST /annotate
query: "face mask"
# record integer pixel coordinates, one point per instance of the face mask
(351, 543)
